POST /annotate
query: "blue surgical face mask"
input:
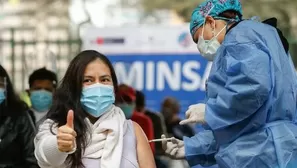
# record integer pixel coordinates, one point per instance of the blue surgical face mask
(2, 95)
(128, 109)
(97, 99)
(41, 100)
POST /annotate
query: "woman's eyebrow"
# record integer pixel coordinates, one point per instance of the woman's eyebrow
(87, 76)
(104, 76)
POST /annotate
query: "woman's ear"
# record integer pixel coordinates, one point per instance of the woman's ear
(210, 20)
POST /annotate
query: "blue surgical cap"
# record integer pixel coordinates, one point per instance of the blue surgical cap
(212, 8)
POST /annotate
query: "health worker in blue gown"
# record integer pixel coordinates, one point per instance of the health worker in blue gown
(251, 94)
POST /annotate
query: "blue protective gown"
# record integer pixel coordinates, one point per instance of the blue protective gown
(251, 104)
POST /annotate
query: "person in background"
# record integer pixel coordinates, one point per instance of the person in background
(157, 119)
(170, 109)
(17, 129)
(126, 100)
(84, 128)
(158, 125)
(42, 83)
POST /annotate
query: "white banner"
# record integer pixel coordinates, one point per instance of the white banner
(157, 39)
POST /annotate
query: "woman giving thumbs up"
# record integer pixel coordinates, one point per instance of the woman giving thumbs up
(99, 136)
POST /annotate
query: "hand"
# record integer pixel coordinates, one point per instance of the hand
(195, 114)
(174, 148)
(66, 134)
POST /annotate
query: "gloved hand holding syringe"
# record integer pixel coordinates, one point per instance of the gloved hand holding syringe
(175, 147)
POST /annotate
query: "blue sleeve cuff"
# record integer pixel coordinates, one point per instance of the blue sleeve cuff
(200, 149)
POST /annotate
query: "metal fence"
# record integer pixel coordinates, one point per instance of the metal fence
(21, 54)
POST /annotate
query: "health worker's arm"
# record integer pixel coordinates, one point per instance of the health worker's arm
(200, 149)
(238, 89)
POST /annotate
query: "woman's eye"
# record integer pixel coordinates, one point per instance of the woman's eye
(105, 80)
(87, 80)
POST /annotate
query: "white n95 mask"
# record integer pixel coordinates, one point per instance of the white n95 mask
(208, 48)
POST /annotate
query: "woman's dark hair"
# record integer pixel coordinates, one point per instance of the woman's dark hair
(67, 97)
(12, 105)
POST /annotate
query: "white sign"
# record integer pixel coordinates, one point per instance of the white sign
(155, 39)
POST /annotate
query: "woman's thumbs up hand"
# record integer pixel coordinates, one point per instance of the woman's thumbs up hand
(66, 134)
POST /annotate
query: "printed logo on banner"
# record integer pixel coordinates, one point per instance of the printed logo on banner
(109, 40)
(185, 39)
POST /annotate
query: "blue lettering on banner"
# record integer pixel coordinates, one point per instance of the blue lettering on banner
(181, 76)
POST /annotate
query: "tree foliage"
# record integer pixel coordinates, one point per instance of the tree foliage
(182, 8)
(283, 10)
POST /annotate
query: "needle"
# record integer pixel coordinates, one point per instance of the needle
(159, 140)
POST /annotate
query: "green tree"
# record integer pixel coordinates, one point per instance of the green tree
(250, 7)
(182, 8)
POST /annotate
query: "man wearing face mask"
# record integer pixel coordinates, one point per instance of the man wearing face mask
(251, 96)
(125, 99)
(42, 83)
